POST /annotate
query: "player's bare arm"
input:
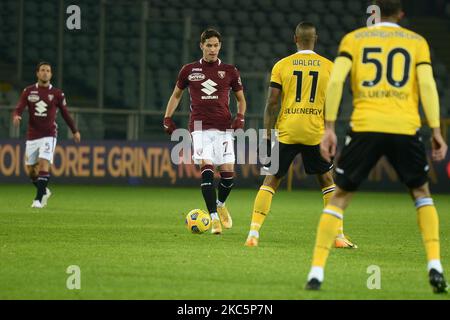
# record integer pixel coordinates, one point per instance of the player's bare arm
(272, 109)
(174, 101)
(16, 120)
(77, 137)
(328, 144)
(439, 147)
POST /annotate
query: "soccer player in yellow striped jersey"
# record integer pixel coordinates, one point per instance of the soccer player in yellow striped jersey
(301, 80)
(390, 68)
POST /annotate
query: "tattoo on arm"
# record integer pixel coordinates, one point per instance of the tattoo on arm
(271, 114)
(272, 109)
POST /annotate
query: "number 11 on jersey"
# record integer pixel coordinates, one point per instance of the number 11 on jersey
(315, 77)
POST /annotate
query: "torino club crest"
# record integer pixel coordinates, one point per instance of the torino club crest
(221, 74)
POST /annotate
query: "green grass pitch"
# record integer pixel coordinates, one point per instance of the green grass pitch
(131, 243)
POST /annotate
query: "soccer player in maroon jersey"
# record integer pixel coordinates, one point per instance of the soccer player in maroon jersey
(210, 81)
(43, 101)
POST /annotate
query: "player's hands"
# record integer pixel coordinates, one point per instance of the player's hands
(438, 146)
(238, 122)
(16, 120)
(77, 137)
(328, 145)
(169, 125)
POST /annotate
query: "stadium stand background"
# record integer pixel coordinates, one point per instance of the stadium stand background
(131, 101)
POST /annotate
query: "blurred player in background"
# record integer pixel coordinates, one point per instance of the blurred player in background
(43, 101)
(389, 67)
(300, 80)
(209, 81)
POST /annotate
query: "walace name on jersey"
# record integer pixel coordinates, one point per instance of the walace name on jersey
(306, 62)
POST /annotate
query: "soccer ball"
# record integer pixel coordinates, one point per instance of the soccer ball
(198, 221)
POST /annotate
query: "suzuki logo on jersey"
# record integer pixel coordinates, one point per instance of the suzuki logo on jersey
(41, 109)
(208, 87)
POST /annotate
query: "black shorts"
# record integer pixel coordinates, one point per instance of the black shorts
(312, 159)
(363, 150)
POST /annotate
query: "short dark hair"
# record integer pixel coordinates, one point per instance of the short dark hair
(42, 63)
(210, 33)
(389, 8)
(304, 25)
(302, 31)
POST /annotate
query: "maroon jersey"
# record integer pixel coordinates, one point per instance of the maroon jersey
(209, 88)
(43, 104)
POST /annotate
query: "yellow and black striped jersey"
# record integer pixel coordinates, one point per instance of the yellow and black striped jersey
(383, 77)
(303, 79)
